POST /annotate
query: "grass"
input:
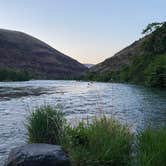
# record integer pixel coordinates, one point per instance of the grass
(152, 147)
(102, 141)
(45, 125)
(97, 142)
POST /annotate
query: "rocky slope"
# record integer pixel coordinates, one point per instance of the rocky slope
(25, 53)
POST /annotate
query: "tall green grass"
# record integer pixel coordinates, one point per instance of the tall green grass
(97, 142)
(45, 124)
(102, 141)
(152, 147)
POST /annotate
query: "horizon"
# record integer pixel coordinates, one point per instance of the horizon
(88, 31)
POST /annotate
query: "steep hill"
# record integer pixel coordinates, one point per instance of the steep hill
(142, 62)
(124, 57)
(22, 52)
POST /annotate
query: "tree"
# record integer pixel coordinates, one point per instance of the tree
(152, 27)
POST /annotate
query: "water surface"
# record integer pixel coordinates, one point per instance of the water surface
(135, 105)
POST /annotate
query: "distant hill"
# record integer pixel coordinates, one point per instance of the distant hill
(24, 53)
(88, 65)
(143, 62)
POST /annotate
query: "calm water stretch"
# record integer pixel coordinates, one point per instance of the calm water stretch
(135, 105)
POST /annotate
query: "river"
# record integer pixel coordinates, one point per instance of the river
(135, 105)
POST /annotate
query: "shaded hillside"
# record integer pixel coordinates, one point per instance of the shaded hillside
(124, 57)
(88, 65)
(24, 53)
(143, 62)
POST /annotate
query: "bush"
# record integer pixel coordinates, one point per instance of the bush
(101, 142)
(46, 125)
(97, 142)
(156, 72)
(8, 74)
(152, 147)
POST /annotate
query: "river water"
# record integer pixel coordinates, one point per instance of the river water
(137, 106)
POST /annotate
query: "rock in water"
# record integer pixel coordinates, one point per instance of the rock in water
(38, 155)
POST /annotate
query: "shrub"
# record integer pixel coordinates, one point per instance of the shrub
(152, 147)
(45, 125)
(100, 142)
(156, 72)
(9, 74)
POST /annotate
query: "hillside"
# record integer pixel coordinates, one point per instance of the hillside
(22, 53)
(88, 65)
(143, 62)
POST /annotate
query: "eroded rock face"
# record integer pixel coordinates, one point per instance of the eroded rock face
(38, 155)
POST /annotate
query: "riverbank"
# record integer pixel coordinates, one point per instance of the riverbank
(97, 141)
(129, 104)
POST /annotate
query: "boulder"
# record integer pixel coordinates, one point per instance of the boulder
(38, 155)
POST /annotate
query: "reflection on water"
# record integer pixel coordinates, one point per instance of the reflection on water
(135, 105)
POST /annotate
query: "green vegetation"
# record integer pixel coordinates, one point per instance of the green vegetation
(148, 68)
(99, 141)
(152, 147)
(7, 74)
(156, 72)
(45, 125)
(103, 141)
(152, 27)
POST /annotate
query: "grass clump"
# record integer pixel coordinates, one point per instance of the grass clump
(97, 142)
(101, 142)
(46, 125)
(152, 147)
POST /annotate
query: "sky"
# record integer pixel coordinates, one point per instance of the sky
(87, 30)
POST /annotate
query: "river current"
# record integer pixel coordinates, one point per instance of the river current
(137, 106)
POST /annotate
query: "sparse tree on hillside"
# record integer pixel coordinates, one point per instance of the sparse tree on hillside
(152, 27)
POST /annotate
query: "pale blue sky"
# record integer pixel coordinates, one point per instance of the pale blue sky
(87, 30)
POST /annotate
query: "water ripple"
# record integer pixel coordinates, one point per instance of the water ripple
(135, 105)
